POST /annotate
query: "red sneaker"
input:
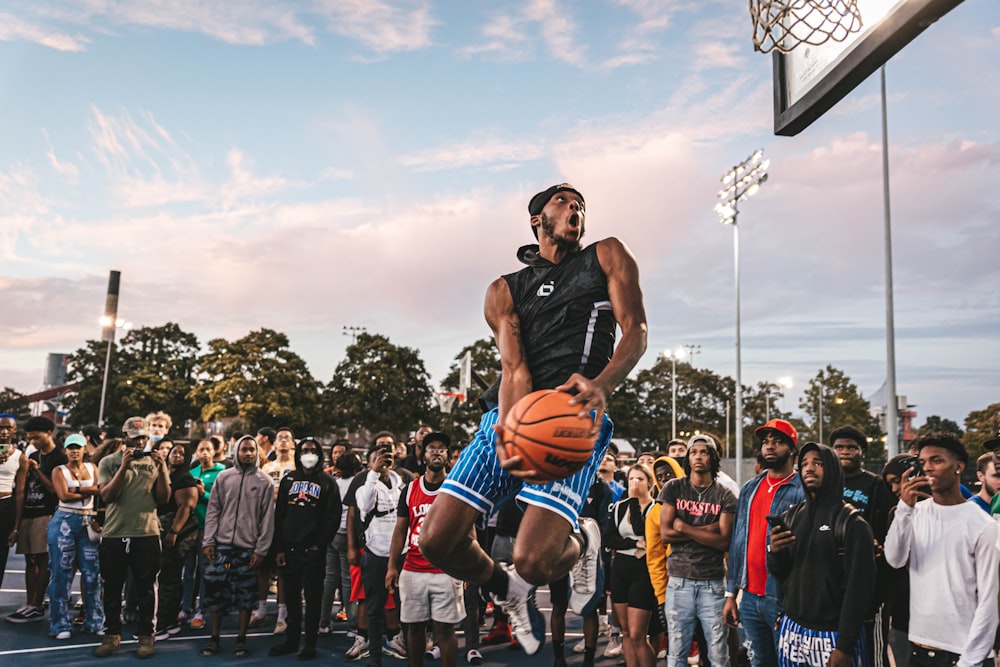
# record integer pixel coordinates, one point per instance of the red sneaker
(498, 634)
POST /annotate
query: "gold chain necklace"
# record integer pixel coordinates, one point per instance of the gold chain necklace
(771, 487)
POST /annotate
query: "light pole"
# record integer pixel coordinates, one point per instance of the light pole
(353, 332)
(741, 182)
(819, 412)
(784, 383)
(110, 327)
(672, 355)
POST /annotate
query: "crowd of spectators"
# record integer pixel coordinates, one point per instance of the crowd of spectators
(810, 563)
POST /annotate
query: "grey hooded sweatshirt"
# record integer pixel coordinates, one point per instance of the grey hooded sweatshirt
(241, 508)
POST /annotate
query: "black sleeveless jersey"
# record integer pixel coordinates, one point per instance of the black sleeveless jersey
(567, 325)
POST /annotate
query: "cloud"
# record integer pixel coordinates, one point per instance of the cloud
(14, 29)
(383, 28)
(475, 152)
(508, 35)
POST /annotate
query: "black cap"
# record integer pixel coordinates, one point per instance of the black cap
(539, 201)
(992, 443)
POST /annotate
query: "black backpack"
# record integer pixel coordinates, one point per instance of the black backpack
(847, 511)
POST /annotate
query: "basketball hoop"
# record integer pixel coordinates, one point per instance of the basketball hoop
(446, 400)
(783, 25)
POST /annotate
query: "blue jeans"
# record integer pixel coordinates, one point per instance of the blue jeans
(690, 601)
(69, 543)
(759, 614)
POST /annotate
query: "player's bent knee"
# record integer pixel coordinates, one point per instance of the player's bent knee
(534, 567)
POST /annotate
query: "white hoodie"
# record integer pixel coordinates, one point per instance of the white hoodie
(374, 497)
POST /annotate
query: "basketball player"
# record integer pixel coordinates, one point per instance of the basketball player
(554, 325)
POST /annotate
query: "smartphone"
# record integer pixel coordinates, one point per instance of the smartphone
(912, 462)
(775, 521)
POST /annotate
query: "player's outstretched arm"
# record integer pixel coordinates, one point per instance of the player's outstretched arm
(515, 377)
(626, 302)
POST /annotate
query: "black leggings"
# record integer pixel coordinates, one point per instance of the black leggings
(6, 525)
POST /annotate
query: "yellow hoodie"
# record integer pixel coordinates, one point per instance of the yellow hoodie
(656, 550)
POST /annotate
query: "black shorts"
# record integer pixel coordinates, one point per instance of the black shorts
(630, 583)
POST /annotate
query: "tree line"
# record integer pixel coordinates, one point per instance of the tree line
(257, 380)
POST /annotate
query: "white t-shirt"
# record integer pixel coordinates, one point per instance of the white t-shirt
(953, 555)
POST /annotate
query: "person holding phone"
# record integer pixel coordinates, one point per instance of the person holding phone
(826, 585)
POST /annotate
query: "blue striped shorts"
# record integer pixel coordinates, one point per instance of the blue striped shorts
(799, 646)
(478, 480)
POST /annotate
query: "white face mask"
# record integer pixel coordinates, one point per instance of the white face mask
(309, 460)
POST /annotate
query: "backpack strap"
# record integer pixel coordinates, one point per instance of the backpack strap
(847, 511)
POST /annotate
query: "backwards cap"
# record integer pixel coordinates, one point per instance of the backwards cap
(539, 201)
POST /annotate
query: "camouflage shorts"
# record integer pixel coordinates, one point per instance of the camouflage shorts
(230, 583)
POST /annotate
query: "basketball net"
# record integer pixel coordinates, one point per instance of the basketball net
(783, 25)
(446, 400)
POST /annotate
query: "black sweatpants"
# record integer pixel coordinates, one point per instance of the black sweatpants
(303, 573)
(119, 556)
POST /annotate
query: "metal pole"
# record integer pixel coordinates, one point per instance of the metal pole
(673, 397)
(738, 421)
(104, 385)
(892, 407)
(819, 410)
(767, 404)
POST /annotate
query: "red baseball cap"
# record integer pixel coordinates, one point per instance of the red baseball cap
(781, 426)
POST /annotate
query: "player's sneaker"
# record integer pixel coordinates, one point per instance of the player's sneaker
(527, 622)
(585, 579)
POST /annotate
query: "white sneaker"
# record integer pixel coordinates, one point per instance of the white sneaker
(584, 578)
(395, 647)
(604, 629)
(433, 654)
(279, 628)
(614, 647)
(257, 618)
(522, 612)
(358, 650)
(65, 634)
(580, 646)
(474, 657)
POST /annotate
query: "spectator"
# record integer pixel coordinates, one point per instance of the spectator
(697, 521)
(377, 500)
(338, 570)
(827, 577)
(206, 471)
(133, 482)
(414, 460)
(951, 549)
(772, 491)
(179, 535)
(158, 424)
(39, 505)
(631, 591)
(665, 468)
(989, 481)
(221, 454)
(284, 462)
(898, 580)
(306, 518)
(70, 546)
(677, 449)
(868, 493)
(426, 593)
(993, 446)
(239, 525)
(13, 471)
(265, 441)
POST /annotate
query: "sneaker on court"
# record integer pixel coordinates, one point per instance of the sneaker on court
(395, 647)
(257, 618)
(280, 627)
(662, 653)
(525, 619)
(325, 628)
(341, 616)
(580, 646)
(614, 647)
(584, 577)
(474, 657)
(433, 654)
(694, 655)
(197, 622)
(358, 650)
(498, 634)
(65, 634)
(26, 615)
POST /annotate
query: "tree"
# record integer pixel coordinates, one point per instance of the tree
(935, 424)
(464, 418)
(379, 386)
(260, 381)
(842, 404)
(151, 369)
(15, 403)
(980, 426)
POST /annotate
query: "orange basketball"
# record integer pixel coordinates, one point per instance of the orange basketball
(545, 431)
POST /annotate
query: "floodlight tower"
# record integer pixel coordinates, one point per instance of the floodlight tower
(739, 183)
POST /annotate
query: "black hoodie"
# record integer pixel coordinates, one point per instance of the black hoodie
(308, 509)
(822, 590)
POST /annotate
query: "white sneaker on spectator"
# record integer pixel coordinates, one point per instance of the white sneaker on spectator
(580, 646)
(583, 578)
(279, 628)
(358, 650)
(614, 647)
(395, 647)
(474, 657)
(433, 654)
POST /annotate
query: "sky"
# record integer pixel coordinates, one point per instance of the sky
(315, 165)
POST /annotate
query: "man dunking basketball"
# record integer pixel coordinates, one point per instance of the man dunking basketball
(554, 324)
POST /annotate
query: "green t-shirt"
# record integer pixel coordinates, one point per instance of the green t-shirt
(207, 478)
(995, 504)
(133, 512)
